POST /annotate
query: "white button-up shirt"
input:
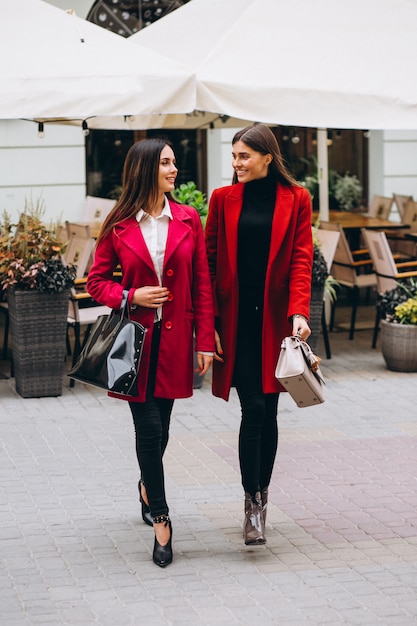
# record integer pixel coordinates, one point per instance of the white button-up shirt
(155, 234)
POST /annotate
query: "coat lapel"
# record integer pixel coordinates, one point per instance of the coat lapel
(232, 210)
(130, 234)
(179, 227)
(284, 203)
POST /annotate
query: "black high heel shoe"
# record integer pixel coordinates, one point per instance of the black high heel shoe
(162, 555)
(146, 511)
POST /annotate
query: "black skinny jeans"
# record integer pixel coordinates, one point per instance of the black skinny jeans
(151, 420)
(258, 436)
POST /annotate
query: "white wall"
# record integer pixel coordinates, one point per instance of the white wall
(52, 168)
(393, 164)
(219, 157)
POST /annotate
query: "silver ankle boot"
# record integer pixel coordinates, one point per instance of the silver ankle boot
(264, 500)
(253, 525)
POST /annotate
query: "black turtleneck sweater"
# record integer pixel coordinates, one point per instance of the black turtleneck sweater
(254, 238)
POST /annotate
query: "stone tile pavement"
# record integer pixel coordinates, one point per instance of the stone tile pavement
(341, 528)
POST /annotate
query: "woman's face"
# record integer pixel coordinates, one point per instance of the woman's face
(167, 170)
(249, 164)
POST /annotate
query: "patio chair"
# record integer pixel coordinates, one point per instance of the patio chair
(328, 243)
(387, 271)
(76, 228)
(380, 206)
(78, 252)
(96, 210)
(401, 202)
(350, 273)
(402, 247)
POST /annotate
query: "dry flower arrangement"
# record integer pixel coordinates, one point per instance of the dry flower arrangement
(31, 253)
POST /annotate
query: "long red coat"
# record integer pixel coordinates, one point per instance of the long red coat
(287, 282)
(190, 308)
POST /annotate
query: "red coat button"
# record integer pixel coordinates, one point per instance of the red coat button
(170, 297)
(170, 272)
(168, 325)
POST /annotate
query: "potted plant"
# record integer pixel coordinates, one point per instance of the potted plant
(36, 284)
(187, 193)
(347, 191)
(397, 309)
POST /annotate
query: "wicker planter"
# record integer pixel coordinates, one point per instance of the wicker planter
(399, 346)
(316, 309)
(38, 323)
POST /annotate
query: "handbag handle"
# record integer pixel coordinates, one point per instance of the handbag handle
(312, 360)
(123, 305)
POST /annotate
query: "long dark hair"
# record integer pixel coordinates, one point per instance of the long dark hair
(140, 182)
(261, 139)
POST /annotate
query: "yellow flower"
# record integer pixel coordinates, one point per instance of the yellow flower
(406, 312)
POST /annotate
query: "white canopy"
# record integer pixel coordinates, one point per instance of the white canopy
(56, 65)
(320, 63)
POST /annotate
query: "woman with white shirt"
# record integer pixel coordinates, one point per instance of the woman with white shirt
(159, 246)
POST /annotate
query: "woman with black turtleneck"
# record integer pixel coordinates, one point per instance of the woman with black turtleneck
(260, 251)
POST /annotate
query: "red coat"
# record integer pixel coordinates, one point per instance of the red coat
(287, 282)
(185, 274)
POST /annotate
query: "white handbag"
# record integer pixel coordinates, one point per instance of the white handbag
(299, 372)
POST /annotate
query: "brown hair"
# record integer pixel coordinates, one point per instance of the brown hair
(140, 182)
(261, 139)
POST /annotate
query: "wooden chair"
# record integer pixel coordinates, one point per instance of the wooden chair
(402, 247)
(81, 230)
(387, 271)
(328, 243)
(78, 252)
(97, 209)
(349, 273)
(401, 202)
(380, 206)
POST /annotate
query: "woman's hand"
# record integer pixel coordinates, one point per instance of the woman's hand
(301, 327)
(219, 349)
(204, 361)
(150, 297)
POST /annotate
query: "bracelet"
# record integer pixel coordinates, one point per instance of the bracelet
(302, 317)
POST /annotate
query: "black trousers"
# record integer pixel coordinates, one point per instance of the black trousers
(151, 420)
(258, 436)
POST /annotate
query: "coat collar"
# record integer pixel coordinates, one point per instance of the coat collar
(130, 234)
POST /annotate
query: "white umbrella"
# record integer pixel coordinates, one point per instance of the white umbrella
(56, 65)
(321, 63)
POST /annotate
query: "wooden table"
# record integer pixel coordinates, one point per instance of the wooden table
(353, 222)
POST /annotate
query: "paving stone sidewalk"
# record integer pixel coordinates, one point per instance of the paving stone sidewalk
(341, 528)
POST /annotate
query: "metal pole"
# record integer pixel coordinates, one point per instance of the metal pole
(323, 173)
